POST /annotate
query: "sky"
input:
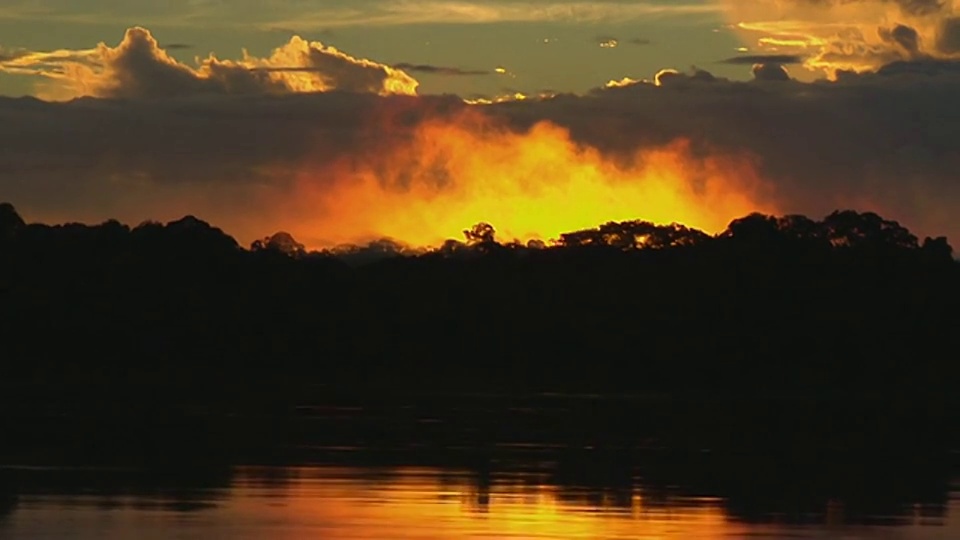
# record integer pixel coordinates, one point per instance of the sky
(345, 121)
(557, 46)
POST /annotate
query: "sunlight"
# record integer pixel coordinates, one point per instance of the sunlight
(445, 175)
(427, 504)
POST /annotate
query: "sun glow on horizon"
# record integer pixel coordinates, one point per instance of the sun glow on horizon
(427, 184)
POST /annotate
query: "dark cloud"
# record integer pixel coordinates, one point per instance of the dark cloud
(438, 70)
(949, 38)
(211, 155)
(883, 141)
(904, 36)
(176, 46)
(928, 67)
(851, 35)
(703, 75)
(750, 59)
(770, 72)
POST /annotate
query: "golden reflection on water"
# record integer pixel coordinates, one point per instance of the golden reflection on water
(280, 503)
(424, 504)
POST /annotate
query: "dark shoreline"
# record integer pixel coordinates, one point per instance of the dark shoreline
(781, 352)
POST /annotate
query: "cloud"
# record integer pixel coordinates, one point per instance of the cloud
(607, 42)
(911, 69)
(7, 55)
(770, 72)
(176, 46)
(882, 141)
(313, 16)
(272, 158)
(907, 38)
(751, 59)
(139, 68)
(473, 12)
(438, 70)
(848, 35)
(912, 7)
(611, 42)
(922, 7)
(948, 41)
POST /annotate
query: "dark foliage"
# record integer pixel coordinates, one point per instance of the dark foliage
(850, 305)
(814, 359)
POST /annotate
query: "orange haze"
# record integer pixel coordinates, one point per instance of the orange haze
(428, 183)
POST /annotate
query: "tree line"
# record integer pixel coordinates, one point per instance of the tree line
(853, 304)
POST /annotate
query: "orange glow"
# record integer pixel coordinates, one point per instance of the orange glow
(429, 183)
(427, 505)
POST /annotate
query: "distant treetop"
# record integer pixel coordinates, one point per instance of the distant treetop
(843, 230)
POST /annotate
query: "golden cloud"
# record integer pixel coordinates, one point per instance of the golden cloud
(846, 35)
(139, 68)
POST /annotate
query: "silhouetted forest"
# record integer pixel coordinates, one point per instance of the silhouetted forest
(850, 305)
(809, 357)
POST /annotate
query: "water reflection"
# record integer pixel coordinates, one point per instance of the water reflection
(478, 468)
(336, 502)
(419, 503)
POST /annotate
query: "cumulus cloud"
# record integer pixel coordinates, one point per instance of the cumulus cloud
(139, 68)
(234, 151)
(849, 35)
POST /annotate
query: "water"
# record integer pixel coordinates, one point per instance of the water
(472, 470)
(413, 503)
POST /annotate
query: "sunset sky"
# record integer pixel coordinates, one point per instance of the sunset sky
(260, 115)
(559, 46)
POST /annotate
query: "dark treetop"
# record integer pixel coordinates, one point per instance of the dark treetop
(850, 305)
(815, 359)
